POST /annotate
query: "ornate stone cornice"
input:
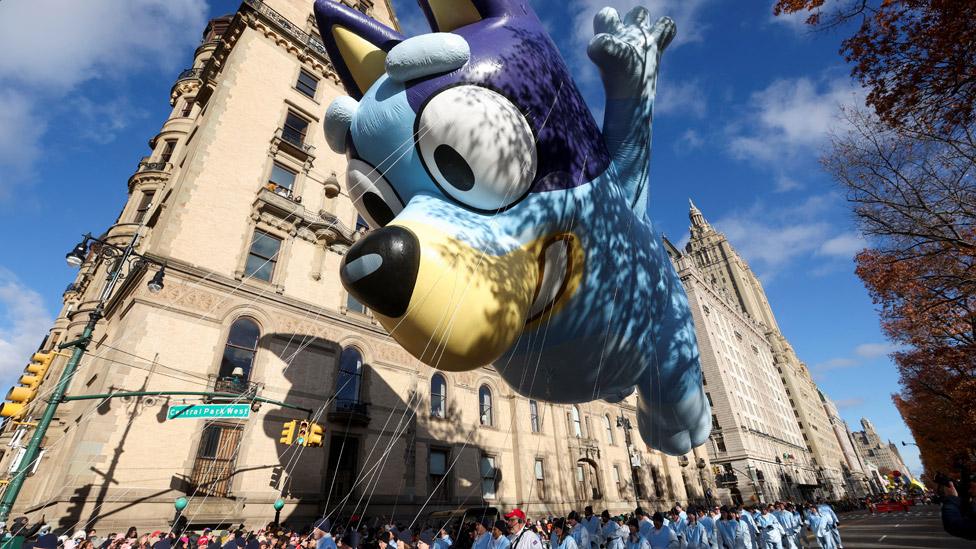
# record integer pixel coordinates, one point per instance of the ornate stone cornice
(290, 216)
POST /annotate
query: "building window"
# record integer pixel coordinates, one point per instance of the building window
(715, 425)
(307, 83)
(608, 426)
(581, 482)
(353, 304)
(708, 397)
(439, 483)
(484, 401)
(534, 416)
(213, 468)
(438, 396)
(240, 349)
(187, 108)
(616, 479)
(577, 428)
(168, 147)
(349, 380)
(295, 129)
(488, 485)
(720, 443)
(281, 177)
(540, 478)
(263, 255)
(144, 202)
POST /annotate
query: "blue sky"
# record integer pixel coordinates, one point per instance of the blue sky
(746, 103)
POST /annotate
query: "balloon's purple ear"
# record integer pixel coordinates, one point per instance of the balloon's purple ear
(447, 15)
(356, 44)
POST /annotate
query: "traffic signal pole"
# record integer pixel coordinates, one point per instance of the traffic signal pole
(32, 450)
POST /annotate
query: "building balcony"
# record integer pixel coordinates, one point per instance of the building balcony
(234, 386)
(349, 412)
(148, 171)
(292, 142)
(726, 479)
(283, 191)
(188, 81)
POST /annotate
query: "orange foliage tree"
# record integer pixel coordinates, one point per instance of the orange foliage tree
(914, 194)
(916, 57)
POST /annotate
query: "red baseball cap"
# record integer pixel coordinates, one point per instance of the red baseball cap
(516, 513)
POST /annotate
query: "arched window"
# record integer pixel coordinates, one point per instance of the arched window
(438, 396)
(242, 345)
(609, 427)
(350, 378)
(577, 427)
(484, 401)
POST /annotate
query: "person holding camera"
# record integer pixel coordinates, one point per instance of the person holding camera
(956, 520)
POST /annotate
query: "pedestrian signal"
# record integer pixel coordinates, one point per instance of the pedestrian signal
(303, 429)
(288, 432)
(315, 432)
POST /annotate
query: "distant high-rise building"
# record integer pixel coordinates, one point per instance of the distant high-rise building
(883, 454)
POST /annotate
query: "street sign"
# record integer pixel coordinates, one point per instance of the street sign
(209, 411)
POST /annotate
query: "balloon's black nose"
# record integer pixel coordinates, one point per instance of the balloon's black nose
(381, 270)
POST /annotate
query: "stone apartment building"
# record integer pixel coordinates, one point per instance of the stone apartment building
(720, 271)
(247, 207)
(756, 448)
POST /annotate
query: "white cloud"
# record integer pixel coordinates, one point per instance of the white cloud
(875, 350)
(680, 98)
(772, 237)
(20, 133)
(786, 126)
(846, 403)
(836, 363)
(51, 47)
(844, 245)
(689, 141)
(23, 323)
(796, 22)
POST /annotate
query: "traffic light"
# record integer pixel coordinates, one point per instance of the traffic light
(20, 397)
(302, 438)
(288, 432)
(315, 432)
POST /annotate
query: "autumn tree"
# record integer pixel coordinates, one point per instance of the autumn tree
(914, 196)
(917, 58)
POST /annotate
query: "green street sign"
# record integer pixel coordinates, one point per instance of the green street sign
(209, 411)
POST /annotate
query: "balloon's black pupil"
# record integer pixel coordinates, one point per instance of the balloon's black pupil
(453, 167)
(377, 209)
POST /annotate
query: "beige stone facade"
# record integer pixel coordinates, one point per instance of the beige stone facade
(882, 454)
(246, 205)
(725, 274)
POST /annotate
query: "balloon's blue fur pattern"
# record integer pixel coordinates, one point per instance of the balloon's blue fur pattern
(628, 323)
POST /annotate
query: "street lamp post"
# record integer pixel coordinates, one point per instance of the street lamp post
(279, 504)
(624, 423)
(706, 490)
(123, 258)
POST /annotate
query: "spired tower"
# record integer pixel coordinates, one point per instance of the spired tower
(728, 272)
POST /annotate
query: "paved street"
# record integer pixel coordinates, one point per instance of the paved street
(920, 527)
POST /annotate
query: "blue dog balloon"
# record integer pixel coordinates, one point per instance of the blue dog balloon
(508, 229)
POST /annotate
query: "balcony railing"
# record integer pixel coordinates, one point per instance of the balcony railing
(234, 386)
(283, 191)
(288, 27)
(726, 479)
(145, 166)
(191, 74)
(294, 141)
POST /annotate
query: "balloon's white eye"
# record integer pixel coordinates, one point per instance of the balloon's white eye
(372, 194)
(477, 146)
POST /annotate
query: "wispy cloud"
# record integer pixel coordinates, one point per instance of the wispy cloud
(875, 350)
(23, 323)
(846, 403)
(786, 125)
(688, 141)
(51, 47)
(859, 355)
(772, 237)
(844, 245)
(685, 99)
